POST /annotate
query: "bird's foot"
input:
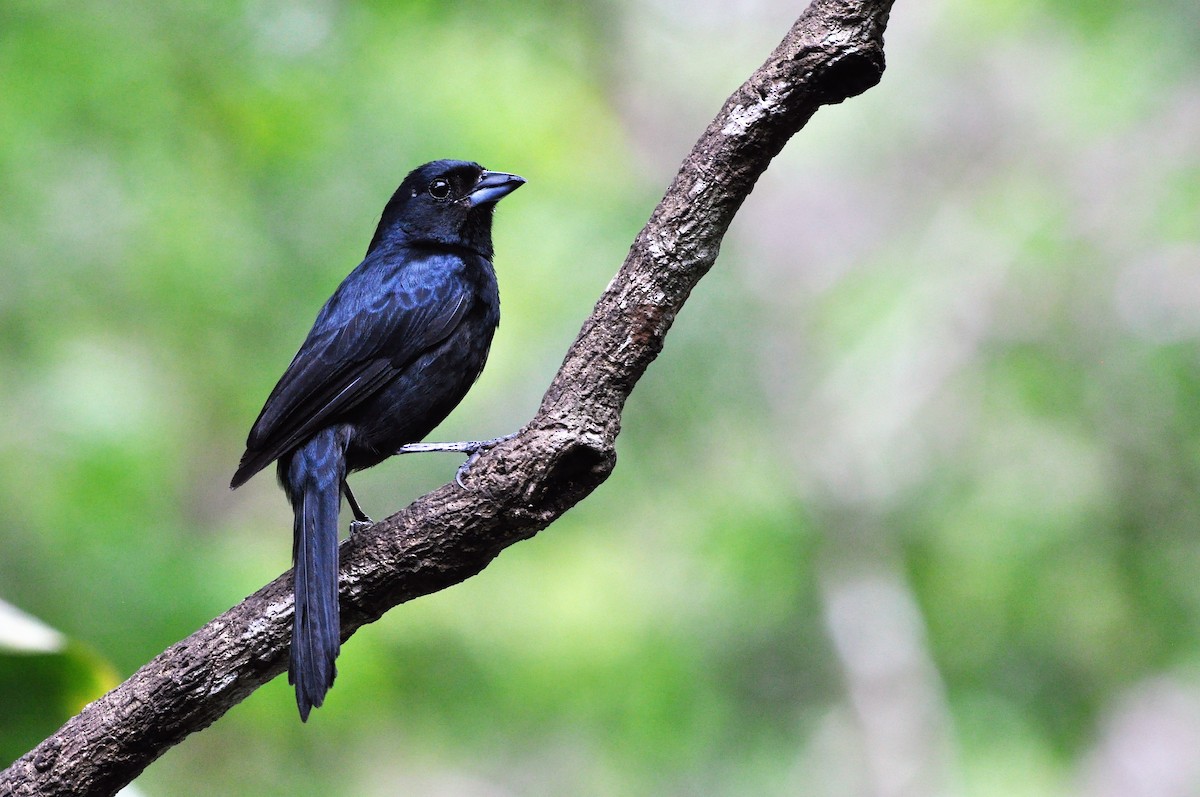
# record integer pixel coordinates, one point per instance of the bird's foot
(478, 447)
(357, 526)
(473, 448)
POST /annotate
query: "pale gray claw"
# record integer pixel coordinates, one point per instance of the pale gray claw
(475, 450)
(465, 467)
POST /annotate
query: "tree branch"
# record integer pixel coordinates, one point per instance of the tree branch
(833, 52)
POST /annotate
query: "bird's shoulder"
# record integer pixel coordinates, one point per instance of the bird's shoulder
(398, 278)
(398, 301)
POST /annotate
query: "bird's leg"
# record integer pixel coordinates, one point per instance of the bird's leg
(479, 448)
(462, 446)
(473, 448)
(360, 517)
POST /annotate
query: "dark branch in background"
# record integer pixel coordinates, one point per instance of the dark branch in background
(833, 52)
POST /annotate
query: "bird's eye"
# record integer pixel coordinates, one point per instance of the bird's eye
(439, 189)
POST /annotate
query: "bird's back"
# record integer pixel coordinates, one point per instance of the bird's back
(391, 353)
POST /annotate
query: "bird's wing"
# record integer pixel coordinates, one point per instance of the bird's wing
(349, 355)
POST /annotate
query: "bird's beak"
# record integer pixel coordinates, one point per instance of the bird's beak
(492, 187)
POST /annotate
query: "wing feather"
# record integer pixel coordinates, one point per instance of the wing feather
(347, 357)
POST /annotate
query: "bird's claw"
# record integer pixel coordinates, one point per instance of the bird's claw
(357, 526)
(475, 450)
(465, 467)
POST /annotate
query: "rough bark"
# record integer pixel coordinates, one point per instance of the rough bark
(833, 52)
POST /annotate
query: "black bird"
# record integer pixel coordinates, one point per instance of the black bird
(392, 352)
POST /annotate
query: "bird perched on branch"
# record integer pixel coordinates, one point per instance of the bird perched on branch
(392, 352)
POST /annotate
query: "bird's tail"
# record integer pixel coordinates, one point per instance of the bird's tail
(312, 477)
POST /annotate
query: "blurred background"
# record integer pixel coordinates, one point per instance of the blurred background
(907, 506)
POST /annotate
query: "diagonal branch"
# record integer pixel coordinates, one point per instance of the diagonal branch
(833, 52)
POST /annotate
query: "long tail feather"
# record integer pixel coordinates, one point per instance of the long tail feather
(313, 479)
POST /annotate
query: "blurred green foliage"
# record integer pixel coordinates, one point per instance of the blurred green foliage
(923, 449)
(41, 690)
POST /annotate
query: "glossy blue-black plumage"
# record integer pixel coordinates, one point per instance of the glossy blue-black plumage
(391, 353)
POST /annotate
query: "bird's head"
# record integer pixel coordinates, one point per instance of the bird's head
(448, 202)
